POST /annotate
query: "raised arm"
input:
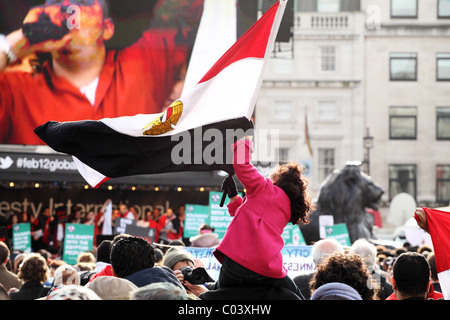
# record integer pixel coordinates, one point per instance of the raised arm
(248, 175)
(421, 218)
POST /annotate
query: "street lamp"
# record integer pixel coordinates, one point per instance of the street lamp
(368, 144)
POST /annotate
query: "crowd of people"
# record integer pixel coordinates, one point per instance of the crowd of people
(367, 271)
(48, 228)
(252, 268)
(131, 268)
(128, 267)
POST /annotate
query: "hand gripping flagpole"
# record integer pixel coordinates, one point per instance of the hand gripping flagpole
(228, 188)
(225, 190)
(222, 201)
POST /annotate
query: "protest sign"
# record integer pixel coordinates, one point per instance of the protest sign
(297, 260)
(142, 232)
(325, 221)
(120, 225)
(340, 233)
(293, 236)
(196, 215)
(22, 237)
(78, 238)
(220, 219)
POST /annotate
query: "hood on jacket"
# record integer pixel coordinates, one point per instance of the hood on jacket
(152, 275)
(335, 291)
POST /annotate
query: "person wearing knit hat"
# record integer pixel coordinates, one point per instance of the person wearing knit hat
(175, 255)
(112, 288)
(177, 259)
(335, 291)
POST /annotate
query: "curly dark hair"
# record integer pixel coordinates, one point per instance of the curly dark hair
(288, 177)
(33, 268)
(344, 268)
(131, 254)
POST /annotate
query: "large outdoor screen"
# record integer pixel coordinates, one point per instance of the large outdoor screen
(95, 59)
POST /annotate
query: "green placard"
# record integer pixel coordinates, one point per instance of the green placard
(338, 232)
(78, 238)
(293, 236)
(220, 219)
(196, 215)
(22, 237)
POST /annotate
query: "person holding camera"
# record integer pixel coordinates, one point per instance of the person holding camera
(182, 264)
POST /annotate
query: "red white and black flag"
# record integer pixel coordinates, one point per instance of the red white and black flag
(439, 229)
(192, 134)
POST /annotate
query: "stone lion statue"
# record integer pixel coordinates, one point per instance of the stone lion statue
(345, 194)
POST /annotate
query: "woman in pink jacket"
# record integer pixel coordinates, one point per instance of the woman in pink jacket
(250, 251)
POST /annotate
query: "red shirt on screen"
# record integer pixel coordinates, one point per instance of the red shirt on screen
(134, 80)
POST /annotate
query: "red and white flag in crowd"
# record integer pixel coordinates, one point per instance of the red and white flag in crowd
(439, 229)
(143, 144)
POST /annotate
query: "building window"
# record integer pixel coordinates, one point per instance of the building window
(403, 8)
(403, 123)
(328, 5)
(403, 67)
(327, 111)
(402, 178)
(443, 9)
(283, 111)
(283, 155)
(326, 163)
(443, 183)
(328, 59)
(443, 66)
(443, 123)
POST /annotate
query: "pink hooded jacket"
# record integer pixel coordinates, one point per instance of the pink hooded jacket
(253, 238)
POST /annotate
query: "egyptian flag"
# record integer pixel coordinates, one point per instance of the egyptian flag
(193, 134)
(439, 229)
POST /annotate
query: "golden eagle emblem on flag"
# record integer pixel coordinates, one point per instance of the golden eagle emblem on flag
(165, 121)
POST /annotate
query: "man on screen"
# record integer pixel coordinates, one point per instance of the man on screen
(83, 79)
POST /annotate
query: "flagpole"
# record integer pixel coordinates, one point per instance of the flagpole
(271, 41)
(269, 48)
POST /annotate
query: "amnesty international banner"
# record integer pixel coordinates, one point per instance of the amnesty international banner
(297, 260)
(22, 237)
(78, 238)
